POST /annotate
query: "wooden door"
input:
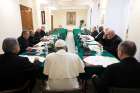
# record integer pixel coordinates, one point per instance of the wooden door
(26, 17)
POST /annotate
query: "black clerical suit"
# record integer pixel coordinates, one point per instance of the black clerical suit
(125, 74)
(37, 37)
(99, 37)
(111, 45)
(42, 33)
(15, 71)
(94, 33)
(23, 43)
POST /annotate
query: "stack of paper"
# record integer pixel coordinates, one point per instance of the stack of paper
(94, 47)
(32, 58)
(101, 60)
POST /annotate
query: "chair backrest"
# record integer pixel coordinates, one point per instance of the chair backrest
(23, 89)
(64, 91)
(124, 90)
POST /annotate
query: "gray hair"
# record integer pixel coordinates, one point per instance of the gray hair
(9, 44)
(128, 47)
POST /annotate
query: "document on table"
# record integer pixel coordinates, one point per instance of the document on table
(94, 47)
(101, 60)
(32, 58)
(92, 42)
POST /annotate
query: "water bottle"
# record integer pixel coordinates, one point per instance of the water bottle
(46, 49)
(58, 36)
(100, 50)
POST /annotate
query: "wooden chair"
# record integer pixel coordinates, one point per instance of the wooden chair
(90, 70)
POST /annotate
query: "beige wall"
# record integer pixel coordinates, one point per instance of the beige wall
(60, 16)
(35, 5)
(116, 17)
(134, 25)
(10, 20)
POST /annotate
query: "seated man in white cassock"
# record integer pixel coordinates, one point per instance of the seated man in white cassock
(62, 68)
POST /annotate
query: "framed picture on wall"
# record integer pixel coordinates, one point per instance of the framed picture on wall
(43, 17)
(71, 18)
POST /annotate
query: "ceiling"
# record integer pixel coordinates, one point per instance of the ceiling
(67, 4)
